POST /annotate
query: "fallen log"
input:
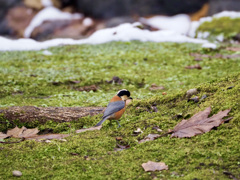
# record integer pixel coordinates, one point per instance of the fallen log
(43, 114)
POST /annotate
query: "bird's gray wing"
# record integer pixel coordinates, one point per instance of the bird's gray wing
(111, 108)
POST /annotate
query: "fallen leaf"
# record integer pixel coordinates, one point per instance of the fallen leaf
(3, 136)
(198, 59)
(30, 134)
(121, 147)
(115, 80)
(154, 166)
(22, 132)
(233, 49)
(196, 66)
(157, 128)
(154, 87)
(149, 137)
(194, 99)
(199, 123)
(93, 88)
(89, 129)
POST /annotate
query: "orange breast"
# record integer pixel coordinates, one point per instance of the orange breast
(117, 115)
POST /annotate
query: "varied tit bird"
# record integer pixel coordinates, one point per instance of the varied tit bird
(116, 107)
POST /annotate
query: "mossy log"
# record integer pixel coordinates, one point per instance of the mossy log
(43, 114)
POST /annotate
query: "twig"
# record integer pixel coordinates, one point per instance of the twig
(13, 141)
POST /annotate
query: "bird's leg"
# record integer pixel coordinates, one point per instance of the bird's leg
(110, 123)
(118, 124)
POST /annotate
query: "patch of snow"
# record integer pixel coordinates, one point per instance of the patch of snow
(87, 21)
(209, 45)
(123, 32)
(193, 27)
(203, 35)
(231, 14)
(47, 53)
(179, 23)
(49, 14)
(46, 3)
(220, 37)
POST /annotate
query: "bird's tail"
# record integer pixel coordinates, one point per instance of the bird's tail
(102, 121)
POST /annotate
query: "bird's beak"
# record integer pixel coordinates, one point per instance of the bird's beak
(129, 100)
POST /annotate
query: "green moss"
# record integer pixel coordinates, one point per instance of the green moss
(228, 27)
(91, 155)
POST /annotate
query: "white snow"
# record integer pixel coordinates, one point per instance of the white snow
(87, 21)
(49, 14)
(46, 3)
(179, 23)
(47, 53)
(123, 32)
(209, 45)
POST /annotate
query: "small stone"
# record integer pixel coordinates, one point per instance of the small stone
(195, 99)
(230, 87)
(63, 140)
(17, 173)
(191, 92)
(203, 97)
(138, 131)
(48, 141)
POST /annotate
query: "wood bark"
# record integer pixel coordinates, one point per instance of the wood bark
(43, 114)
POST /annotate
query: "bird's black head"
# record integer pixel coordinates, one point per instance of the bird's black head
(123, 92)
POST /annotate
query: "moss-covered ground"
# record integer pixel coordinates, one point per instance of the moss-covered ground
(31, 78)
(227, 27)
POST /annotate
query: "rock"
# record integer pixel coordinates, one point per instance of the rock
(36, 4)
(203, 97)
(223, 5)
(191, 92)
(62, 29)
(4, 8)
(18, 18)
(116, 8)
(194, 99)
(17, 173)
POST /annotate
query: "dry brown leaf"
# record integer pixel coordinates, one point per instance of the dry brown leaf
(149, 137)
(233, 49)
(154, 87)
(121, 147)
(154, 166)
(3, 136)
(89, 129)
(30, 134)
(199, 123)
(22, 132)
(196, 66)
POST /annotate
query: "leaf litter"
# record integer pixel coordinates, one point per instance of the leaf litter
(198, 124)
(154, 166)
(26, 133)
